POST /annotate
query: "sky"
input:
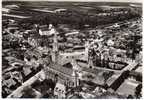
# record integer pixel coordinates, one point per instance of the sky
(137, 1)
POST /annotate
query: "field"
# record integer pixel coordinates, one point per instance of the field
(73, 13)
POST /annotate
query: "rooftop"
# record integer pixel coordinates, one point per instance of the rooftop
(128, 87)
(61, 69)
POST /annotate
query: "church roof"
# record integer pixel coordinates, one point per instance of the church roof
(61, 69)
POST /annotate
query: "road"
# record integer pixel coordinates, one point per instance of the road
(18, 92)
(17, 16)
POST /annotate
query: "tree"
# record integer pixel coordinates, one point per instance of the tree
(138, 91)
(28, 92)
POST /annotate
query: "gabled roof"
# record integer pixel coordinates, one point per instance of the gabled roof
(61, 69)
(33, 52)
(128, 87)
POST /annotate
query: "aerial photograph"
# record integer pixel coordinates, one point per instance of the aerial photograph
(71, 50)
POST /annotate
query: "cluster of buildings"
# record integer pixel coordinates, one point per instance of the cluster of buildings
(91, 63)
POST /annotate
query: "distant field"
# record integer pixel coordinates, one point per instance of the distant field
(77, 13)
(45, 3)
(88, 6)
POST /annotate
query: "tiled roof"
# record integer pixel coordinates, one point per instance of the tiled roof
(63, 60)
(33, 52)
(94, 71)
(64, 70)
(127, 87)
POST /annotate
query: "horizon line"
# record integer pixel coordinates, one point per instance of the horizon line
(119, 1)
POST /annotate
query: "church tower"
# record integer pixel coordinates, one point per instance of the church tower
(90, 58)
(75, 73)
(55, 46)
(88, 55)
(86, 49)
(90, 62)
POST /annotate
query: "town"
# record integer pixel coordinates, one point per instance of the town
(56, 52)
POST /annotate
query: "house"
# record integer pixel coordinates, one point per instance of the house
(60, 90)
(5, 10)
(127, 88)
(12, 6)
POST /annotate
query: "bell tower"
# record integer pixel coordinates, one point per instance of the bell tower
(75, 73)
(90, 58)
(55, 46)
(87, 50)
(90, 62)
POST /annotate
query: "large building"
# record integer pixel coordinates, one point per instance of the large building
(63, 73)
